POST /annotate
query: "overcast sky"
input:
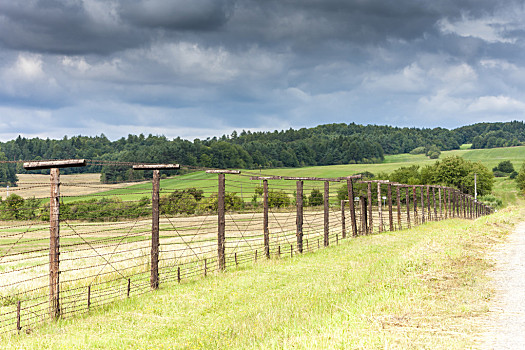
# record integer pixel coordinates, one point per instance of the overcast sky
(200, 68)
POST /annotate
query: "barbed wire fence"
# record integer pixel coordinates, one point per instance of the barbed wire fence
(64, 254)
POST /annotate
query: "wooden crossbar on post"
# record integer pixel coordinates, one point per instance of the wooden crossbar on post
(155, 216)
(221, 217)
(54, 225)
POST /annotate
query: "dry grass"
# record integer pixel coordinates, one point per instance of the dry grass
(37, 185)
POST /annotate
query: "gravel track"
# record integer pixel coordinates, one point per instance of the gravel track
(505, 327)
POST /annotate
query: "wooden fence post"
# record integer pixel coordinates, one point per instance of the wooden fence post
(221, 217)
(155, 217)
(414, 200)
(440, 204)
(350, 188)
(422, 205)
(326, 200)
(155, 240)
(54, 245)
(370, 208)
(434, 203)
(379, 207)
(299, 217)
(54, 226)
(390, 214)
(398, 197)
(343, 219)
(407, 196)
(363, 211)
(266, 231)
(429, 211)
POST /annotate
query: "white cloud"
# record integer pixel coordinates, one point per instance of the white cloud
(497, 104)
(491, 30)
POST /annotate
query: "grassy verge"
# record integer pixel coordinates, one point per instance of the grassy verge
(419, 288)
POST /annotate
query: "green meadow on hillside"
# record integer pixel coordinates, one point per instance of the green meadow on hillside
(489, 157)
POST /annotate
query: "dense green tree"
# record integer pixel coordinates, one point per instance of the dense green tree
(520, 178)
(458, 172)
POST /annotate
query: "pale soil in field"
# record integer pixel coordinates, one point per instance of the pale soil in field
(505, 326)
(38, 185)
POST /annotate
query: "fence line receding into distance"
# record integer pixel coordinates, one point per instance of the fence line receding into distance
(67, 253)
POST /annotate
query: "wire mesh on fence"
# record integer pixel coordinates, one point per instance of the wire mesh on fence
(107, 249)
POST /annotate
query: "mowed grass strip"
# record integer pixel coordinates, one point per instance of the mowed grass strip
(419, 288)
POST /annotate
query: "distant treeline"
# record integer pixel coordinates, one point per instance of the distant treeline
(322, 145)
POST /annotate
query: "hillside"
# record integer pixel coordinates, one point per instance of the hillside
(330, 144)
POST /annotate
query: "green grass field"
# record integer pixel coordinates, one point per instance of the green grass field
(421, 288)
(489, 157)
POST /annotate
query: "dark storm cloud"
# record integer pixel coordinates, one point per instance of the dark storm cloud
(101, 27)
(180, 64)
(178, 14)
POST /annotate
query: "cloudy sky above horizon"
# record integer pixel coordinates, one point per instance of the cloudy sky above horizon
(204, 68)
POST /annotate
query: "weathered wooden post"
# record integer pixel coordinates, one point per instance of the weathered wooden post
(221, 217)
(398, 197)
(326, 202)
(350, 189)
(299, 216)
(379, 207)
(434, 203)
(440, 204)
(266, 230)
(390, 215)
(414, 200)
(422, 204)
(370, 208)
(54, 226)
(407, 196)
(363, 211)
(155, 216)
(343, 219)
(429, 212)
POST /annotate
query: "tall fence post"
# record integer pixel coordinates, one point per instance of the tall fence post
(422, 205)
(390, 214)
(155, 217)
(398, 200)
(54, 245)
(343, 219)
(221, 215)
(434, 203)
(266, 231)
(440, 204)
(299, 218)
(54, 226)
(350, 189)
(379, 207)
(326, 199)
(429, 211)
(363, 211)
(155, 223)
(407, 197)
(370, 208)
(414, 200)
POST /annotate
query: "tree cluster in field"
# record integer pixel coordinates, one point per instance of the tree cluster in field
(504, 169)
(451, 171)
(520, 179)
(322, 145)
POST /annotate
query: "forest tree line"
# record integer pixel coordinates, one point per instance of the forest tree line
(321, 145)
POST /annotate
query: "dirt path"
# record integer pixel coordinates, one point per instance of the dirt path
(505, 328)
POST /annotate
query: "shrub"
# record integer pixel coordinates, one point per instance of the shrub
(316, 198)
